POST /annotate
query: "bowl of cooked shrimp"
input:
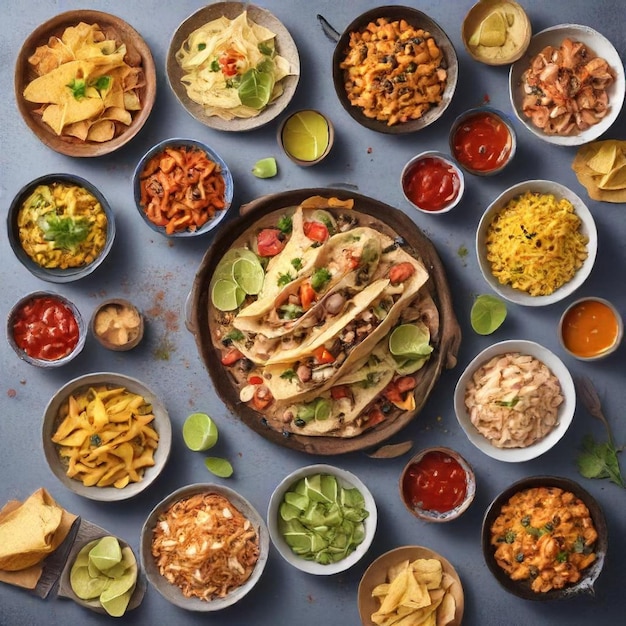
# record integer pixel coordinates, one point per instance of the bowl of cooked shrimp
(182, 188)
(568, 88)
(515, 400)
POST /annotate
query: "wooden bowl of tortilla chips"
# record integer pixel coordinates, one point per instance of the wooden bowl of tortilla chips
(85, 83)
(411, 580)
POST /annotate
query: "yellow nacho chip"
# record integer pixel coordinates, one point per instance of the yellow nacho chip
(603, 160)
(615, 179)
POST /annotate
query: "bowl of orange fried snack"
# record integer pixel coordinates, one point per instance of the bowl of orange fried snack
(182, 188)
(395, 70)
(106, 436)
(413, 584)
(204, 547)
(85, 83)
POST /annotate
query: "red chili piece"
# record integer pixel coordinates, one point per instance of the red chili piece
(482, 143)
(269, 242)
(45, 328)
(431, 184)
(437, 482)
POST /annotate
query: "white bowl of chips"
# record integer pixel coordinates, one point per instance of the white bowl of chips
(411, 580)
(231, 521)
(102, 464)
(530, 438)
(598, 46)
(337, 496)
(521, 238)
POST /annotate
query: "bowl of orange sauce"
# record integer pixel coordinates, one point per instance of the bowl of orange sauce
(437, 485)
(432, 182)
(590, 329)
(483, 141)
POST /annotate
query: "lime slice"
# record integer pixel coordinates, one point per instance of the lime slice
(116, 606)
(227, 295)
(219, 467)
(249, 275)
(409, 340)
(199, 432)
(265, 168)
(106, 553)
(487, 314)
(224, 269)
(305, 135)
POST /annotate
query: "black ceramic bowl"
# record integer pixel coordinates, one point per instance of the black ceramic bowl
(521, 588)
(418, 20)
(58, 275)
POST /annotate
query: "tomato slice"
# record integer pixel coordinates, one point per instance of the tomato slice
(232, 356)
(316, 231)
(269, 242)
(323, 356)
(307, 295)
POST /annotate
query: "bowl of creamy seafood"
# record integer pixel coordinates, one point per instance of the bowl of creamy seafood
(545, 538)
(60, 227)
(515, 400)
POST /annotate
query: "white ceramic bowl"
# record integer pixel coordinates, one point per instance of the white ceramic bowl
(588, 228)
(161, 424)
(345, 479)
(565, 411)
(601, 47)
(171, 592)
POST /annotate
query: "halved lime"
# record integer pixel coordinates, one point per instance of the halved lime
(249, 275)
(409, 340)
(305, 135)
(487, 314)
(227, 295)
(199, 432)
(265, 168)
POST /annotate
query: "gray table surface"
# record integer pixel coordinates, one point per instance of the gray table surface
(157, 274)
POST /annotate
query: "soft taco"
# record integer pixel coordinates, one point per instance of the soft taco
(337, 342)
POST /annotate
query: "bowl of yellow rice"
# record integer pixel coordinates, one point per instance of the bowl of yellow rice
(536, 243)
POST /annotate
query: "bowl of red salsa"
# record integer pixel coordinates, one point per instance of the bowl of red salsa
(483, 141)
(437, 485)
(46, 329)
(432, 182)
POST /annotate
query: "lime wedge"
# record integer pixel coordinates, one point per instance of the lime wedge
(493, 30)
(219, 467)
(409, 340)
(106, 553)
(199, 432)
(265, 168)
(487, 314)
(249, 275)
(227, 295)
(305, 135)
(224, 269)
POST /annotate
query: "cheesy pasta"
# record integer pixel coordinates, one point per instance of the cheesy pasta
(545, 535)
(394, 71)
(535, 243)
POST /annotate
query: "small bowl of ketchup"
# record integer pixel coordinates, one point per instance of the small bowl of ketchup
(437, 485)
(590, 329)
(483, 141)
(432, 182)
(46, 329)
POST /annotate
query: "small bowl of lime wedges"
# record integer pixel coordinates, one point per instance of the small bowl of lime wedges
(306, 136)
(322, 519)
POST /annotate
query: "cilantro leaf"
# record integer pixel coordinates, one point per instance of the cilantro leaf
(599, 460)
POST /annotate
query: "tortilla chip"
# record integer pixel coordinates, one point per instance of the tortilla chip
(100, 131)
(428, 572)
(615, 179)
(397, 589)
(53, 86)
(27, 533)
(602, 161)
(447, 610)
(77, 129)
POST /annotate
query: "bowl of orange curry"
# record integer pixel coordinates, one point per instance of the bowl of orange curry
(545, 538)
(182, 188)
